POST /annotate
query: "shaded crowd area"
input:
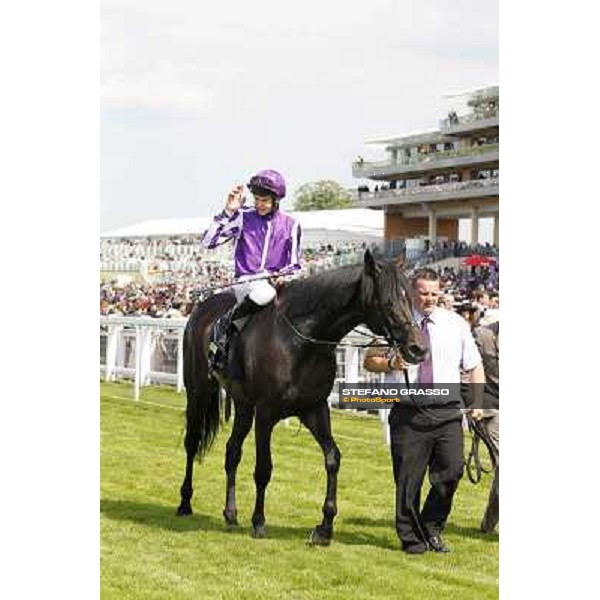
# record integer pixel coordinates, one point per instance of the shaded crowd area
(177, 288)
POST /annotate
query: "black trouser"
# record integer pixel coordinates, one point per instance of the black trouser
(418, 442)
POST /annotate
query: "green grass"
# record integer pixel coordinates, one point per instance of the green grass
(149, 553)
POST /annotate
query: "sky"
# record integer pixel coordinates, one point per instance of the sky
(196, 97)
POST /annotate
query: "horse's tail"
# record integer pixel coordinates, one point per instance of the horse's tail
(203, 419)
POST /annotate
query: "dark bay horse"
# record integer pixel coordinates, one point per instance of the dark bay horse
(287, 372)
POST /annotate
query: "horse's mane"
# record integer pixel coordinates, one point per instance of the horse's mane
(334, 287)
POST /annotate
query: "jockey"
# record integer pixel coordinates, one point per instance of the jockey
(267, 241)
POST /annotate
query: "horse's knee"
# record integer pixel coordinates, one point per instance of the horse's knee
(333, 458)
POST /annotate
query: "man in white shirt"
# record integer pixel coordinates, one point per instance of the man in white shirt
(431, 437)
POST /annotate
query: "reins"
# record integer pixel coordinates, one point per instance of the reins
(312, 340)
(473, 460)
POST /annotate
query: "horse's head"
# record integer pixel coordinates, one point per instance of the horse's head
(387, 306)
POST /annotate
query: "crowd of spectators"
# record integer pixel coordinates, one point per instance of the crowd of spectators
(473, 289)
(149, 300)
(455, 249)
(172, 293)
(467, 288)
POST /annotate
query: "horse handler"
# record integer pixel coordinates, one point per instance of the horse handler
(429, 438)
(267, 241)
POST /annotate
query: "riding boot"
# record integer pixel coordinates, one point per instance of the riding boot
(228, 325)
(219, 341)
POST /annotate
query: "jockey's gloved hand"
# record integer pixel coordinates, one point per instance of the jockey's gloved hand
(235, 200)
(278, 282)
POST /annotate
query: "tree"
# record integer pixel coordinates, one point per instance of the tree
(322, 195)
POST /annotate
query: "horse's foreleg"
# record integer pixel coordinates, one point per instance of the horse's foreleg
(318, 423)
(242, 424)
(262, 472)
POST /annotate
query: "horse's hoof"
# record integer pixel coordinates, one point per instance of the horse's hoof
(230, 519)
(231, 523)
(318, 537)
(184, 510)
(259, 532)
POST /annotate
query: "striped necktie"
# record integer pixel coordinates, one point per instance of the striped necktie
(426, 367)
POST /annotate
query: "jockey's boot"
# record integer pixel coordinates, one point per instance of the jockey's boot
(241, 315)
(217, 348)
(228, 325)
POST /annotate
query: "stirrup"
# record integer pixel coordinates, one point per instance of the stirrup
(217, 356)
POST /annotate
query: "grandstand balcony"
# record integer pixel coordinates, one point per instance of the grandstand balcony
(435, 161)
(471, 123)
(429, 193)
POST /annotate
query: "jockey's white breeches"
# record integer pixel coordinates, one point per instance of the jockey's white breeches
(260, 291)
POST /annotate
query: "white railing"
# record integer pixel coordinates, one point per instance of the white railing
(149, 351)
(144, 349)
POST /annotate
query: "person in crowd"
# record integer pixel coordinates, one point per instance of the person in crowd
(447, 301)
(487, 338)
(429, 437)
(482, 299)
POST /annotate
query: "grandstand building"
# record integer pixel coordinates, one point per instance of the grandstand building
(432, 179)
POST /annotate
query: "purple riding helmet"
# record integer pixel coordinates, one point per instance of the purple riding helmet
(269, 180)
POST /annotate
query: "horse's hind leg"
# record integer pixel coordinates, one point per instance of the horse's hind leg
(186, 490)
(318, 423)
(244, 415)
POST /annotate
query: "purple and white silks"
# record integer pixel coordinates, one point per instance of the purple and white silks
(269, 244)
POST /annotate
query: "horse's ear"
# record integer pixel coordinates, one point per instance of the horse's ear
(371, 266)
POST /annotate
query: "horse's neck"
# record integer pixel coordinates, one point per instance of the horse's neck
(337, 328)
(339, 313)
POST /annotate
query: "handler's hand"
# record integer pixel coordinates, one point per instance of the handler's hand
(476, 414)
(235, 200)
(398, 363)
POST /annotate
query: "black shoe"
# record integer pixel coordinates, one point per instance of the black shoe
(436, 544)
(414, 547)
